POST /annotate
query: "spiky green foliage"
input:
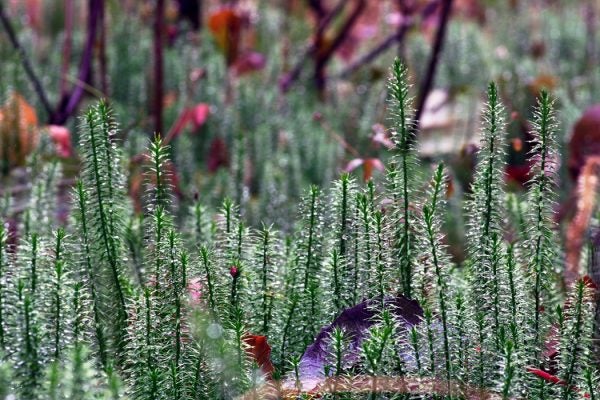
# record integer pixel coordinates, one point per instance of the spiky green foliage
(402, 176)
(165, 304)
(541, 244)
(102, 201)
(575, 341)
(434, 291)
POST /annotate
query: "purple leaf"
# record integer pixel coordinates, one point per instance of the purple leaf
(355, 321)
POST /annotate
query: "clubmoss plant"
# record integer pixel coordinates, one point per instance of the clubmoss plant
(180, 301)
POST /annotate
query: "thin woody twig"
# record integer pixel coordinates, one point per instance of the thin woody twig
(377, 51)
(322, 59)
(396, 37)
(67, 46)
(158, 65)
(102, 53)
(428, 81)
(70, 101)
(37, 86)
(290, 78)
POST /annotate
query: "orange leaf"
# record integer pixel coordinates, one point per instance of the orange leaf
(517, 144)
(19, 133)
(369, 165)
(226, 25)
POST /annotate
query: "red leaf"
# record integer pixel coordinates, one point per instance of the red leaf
(552, 379)
(546, 376)
(199, 114)
(217, 156)
(249, 61)
(196, 116)
(589, 282)
(61, 137)
(180, 123)
(260, 351)
(518, 173)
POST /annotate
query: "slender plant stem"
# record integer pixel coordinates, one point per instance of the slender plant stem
(434, 59)
(158, 65)
(12, 37)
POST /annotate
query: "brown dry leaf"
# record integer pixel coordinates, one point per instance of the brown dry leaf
(585, 140)
(225, 25)
(19, 133)
(542, 81)
(587, 185)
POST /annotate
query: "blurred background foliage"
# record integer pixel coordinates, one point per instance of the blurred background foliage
(260, 98)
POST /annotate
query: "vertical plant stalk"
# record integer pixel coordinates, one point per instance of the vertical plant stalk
(12, 37)
(366, 220)
(59, 272)
(574, 338)
(82, 199)
(511, 266)
(69, 102)
(496, 259)
(102, 51)
(106, 228)
(3, 279)
(314, 193)
(541, 240)
(178, 310)
(337, 293)
(266, 237)
(485, 230)
(286, 329)
(433, 237)
(345, 182)
(204, 256)
(434, 59)
(322, 57)
(158, 65)
(31, 383)
(379, 261)
(415, 347)
(401, 105)
(33, 273)
(356, 254)
(509, 370)
(67, 46)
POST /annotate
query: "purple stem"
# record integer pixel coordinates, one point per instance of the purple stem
(69, 103)
(158, 66)
(12, 37)
(433, 62)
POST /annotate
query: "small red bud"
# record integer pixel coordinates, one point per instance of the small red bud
(234, 271)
